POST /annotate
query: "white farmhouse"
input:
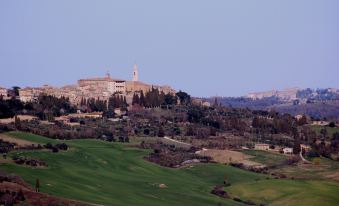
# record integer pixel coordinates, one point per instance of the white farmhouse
(288, 150)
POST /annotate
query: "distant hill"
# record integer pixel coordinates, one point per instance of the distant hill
(316, 103)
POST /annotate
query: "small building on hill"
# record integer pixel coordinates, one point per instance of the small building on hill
(320, 123)
(262, 147)
(288, 150)
(3, 92)
(206, 104)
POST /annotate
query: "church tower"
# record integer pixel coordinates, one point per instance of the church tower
(135, 73)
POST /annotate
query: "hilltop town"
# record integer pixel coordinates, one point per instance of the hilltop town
(101, 88)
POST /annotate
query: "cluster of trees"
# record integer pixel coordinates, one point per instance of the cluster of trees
(107, 107)
(154, 98)
(321, 147)
(243, 102)
(11, 107)
(172, 156)
(92, 105)
(6, 147)
(318, 94)
(278, 124)
(47, 107)
(28, 161)
(57, 147)
(185, 99)
(218, 118)
(89, 129)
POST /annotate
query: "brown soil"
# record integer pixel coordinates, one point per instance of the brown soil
(334, 176)
(19, 142)
(21, 117)
(228, 156)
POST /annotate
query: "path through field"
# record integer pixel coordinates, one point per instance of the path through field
(176, 141)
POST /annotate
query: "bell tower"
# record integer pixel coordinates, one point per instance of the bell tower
(135, 73)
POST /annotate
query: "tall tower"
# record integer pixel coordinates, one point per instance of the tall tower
(108, 75)
(135, 73)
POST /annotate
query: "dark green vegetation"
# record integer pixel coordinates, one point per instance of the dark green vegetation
(45, 107)
(114, 174)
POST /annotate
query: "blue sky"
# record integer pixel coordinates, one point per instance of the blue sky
(206, 48)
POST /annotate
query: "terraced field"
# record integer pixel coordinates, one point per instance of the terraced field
(116, 174)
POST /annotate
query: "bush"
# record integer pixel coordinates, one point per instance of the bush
(331, 124)
(219, 191)
(316, 161)
(62, 146)
(55, 150)
(49, 146)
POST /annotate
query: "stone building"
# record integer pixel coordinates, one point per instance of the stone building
(29, 94)
(101, 88)
(3, 92)
(137, 86)
(288, 150)
(261, 146)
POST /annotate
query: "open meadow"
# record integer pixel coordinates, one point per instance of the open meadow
(116, 174)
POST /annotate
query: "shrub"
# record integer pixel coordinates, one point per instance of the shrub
(55, 150)
(316, 161)
(331, 124)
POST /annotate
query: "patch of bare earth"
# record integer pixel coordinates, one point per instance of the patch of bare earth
(21, 117)
(229, 156)
(17, 141)
(333, 175)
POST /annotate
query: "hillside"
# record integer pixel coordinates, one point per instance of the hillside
(315, 108)
(116, 174)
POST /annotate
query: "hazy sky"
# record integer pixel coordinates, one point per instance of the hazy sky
(203, 47)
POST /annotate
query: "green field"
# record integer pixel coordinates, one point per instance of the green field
(266, 158)
(330, 130)
(115, 174)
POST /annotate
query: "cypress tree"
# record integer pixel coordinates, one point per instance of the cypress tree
(142, 98)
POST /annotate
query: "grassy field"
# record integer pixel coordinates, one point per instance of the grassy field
(266, 158)
(330, 130)
(326, 170)
(114, 174)
(286, 192)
